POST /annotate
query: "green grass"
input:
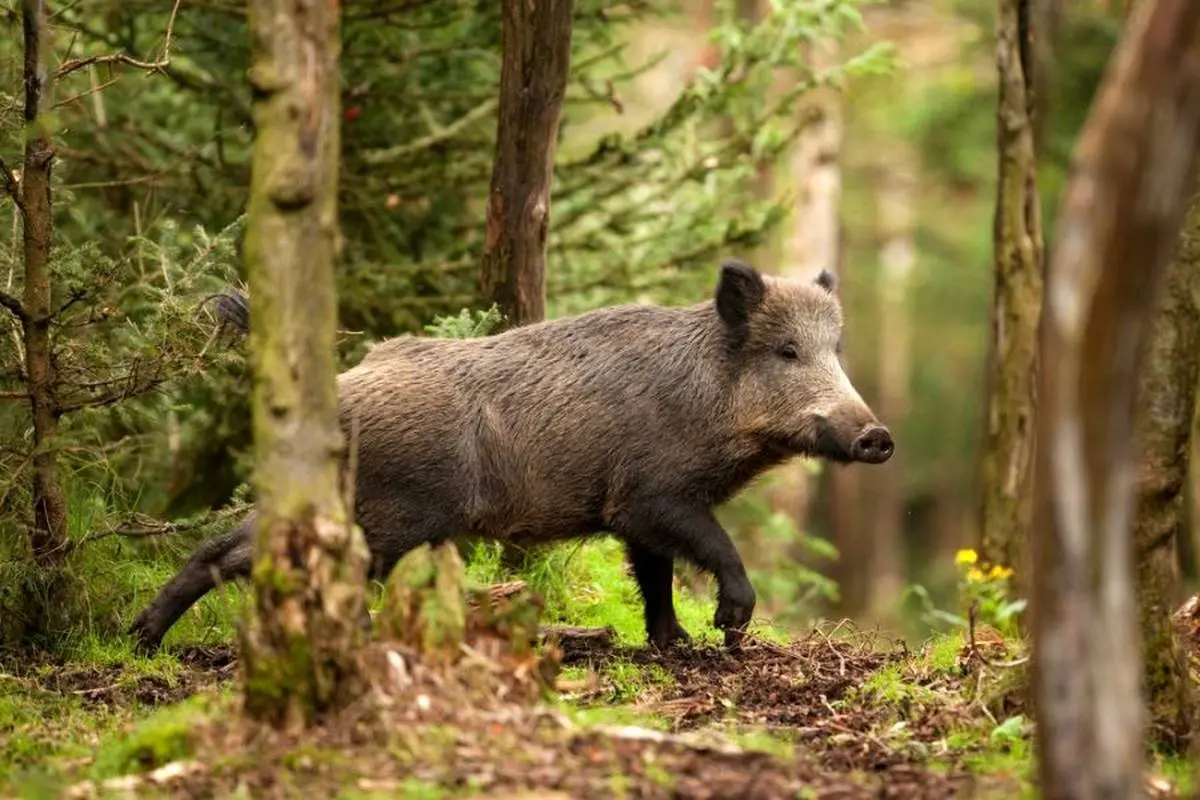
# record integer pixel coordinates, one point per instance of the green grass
(1004, 749)
(613, 715)
(160, 738)
(42, 734)
(1183, 772)
(411, 789)
(776, 743)
(587, 583)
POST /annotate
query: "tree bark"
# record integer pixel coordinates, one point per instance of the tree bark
(1119, 221)
(1167, 406)
(533, 80)
(49, 536)
(310, 559)
(1016, 304)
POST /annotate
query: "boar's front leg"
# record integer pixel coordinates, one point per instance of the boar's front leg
(691, 531)
(654, 574)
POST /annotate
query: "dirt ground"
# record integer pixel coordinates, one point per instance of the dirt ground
(483, 728)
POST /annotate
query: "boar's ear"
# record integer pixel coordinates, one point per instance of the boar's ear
(739, 292)
(827, 281)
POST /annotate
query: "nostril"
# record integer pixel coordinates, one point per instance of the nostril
(875, 445)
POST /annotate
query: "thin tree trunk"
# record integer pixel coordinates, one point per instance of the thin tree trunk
(897, 196)
(536, 41)
(533, 81)
(309, 573)
(49, 535)
(1016, 304)
(1119, 221)
(1167, 408)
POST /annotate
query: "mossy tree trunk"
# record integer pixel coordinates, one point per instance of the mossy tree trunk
(1167, 406)
(298, 647)
(533, 81)
(49, 535)
(1117, 229)
(1007, 468)
(34, 314)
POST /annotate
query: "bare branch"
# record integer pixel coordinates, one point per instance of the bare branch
(112, 398)
(14, 394)
(89, 92)
(437, 137)
(142, 526)
(76, 64)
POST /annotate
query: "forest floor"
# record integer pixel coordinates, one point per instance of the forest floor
(837, 713)
(826, 716)
(833, 712)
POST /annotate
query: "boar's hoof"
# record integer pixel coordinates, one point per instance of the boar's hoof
(145, 643)
(873, 446)
(735, 606)
(664, 636)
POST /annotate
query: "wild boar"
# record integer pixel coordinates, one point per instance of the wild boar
(632, 420)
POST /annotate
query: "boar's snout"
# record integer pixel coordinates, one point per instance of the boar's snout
(873, 446)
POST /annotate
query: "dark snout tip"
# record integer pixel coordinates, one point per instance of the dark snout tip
(873, 446)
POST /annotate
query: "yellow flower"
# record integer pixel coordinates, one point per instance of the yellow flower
(1000, 573)
(975, 575)
(966, 557)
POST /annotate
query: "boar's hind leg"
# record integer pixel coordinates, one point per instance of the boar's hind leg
(222, 557)
(693, 532)
(654, 574)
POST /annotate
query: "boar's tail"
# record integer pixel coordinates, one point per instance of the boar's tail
(233, 309)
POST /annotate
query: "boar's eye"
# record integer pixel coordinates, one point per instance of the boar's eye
(790, 352)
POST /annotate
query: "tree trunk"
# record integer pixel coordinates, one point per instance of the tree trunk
(1119, 221)
(1016, 304)
(310, 559)
(1167, 406)
(533, 81)
(49, 535)
(897, 196)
